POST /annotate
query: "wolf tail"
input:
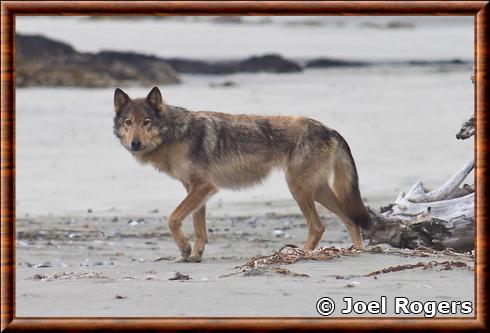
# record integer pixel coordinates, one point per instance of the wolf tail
(346, 186)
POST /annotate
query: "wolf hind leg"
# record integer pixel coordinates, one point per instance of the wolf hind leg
(200, 233)
(196, 197)
(304, 196)
(325, 196)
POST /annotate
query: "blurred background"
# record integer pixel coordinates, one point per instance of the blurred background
(397, 88)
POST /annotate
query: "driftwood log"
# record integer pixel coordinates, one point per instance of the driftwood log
(441, 218)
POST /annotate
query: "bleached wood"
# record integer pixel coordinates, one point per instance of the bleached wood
(450, 189)
(446, 210)
(447, 202)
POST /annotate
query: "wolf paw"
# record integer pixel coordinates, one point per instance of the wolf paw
(189, 259)
(182, 259)
(186, 251)
(194, 259)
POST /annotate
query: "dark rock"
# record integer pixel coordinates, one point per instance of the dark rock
(329, 62)
(38, 46)
(180, 277)
(225, 84)
(332, 63)
(271, 63)
(436, 62)
(41, 61)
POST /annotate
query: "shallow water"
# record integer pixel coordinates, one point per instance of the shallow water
(365, 38)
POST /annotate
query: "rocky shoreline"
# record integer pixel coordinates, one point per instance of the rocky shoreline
(41, 61)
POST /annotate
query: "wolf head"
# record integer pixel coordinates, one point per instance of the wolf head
(138, 122)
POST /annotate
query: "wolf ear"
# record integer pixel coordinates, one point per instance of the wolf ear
(155, 99)
(121, 99)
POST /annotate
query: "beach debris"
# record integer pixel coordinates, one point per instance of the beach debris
(252, 221)
(278, 233)
(164, 258)
(89, 210)
(151, 278)
(285, 271)
(140, 260)
(262, 271)
(440, 218)
(444, 265)
(115, 219)
(120, 296)
(467, 129)
(46, 264)
(180, 277)
(45, 277)
(153, 211)
(70, 276)
(421, 251)
(134, 223)
(289, 254)
(256, 271)
(21, 243)
(353, 284)
(224, 84)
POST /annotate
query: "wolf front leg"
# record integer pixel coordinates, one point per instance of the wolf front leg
(200, 232)
(197, 196)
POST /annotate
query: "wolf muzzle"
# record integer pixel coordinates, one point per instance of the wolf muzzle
(135, 145)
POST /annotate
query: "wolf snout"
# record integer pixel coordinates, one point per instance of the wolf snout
(135, 145)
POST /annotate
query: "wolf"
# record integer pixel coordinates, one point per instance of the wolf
(207, 151)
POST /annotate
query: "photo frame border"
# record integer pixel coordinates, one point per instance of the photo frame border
(11, 9)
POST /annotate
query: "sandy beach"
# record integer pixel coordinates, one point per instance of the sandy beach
(92, 237)
(92, 266)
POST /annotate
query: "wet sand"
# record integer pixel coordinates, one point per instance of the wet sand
(122, 266)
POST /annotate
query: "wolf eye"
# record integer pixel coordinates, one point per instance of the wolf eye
(128, 122)
(146, 122)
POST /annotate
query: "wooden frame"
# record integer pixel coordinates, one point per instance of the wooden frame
(478, 9)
